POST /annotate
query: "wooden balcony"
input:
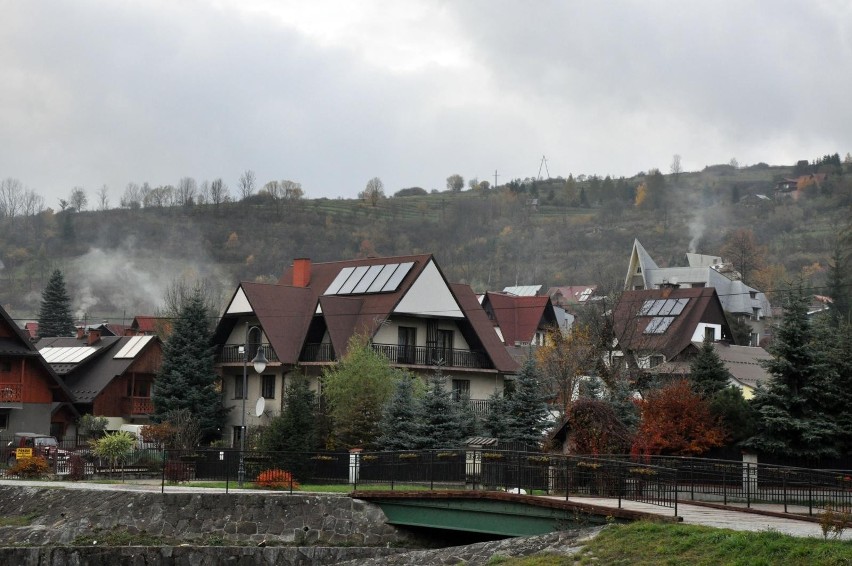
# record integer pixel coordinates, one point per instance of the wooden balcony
(233, 353)
(407, 355)
(137, 406)
(11, 393)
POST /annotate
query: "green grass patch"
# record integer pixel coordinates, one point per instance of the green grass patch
(657, 543)
(17, 520)
(121, 537)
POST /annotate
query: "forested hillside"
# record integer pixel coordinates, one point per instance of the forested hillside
(119, 262)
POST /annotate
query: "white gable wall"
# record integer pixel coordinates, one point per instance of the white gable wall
(239, 304)
(429, 296)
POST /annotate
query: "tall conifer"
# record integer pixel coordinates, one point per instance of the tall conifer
(54, 317)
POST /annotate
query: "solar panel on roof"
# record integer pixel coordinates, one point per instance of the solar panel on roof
(339, 281)
(133, 347)
(659, 324)
(655, 307)
(66, 355)
(353, 280)
(367, 280)
(646, 306)
(382, 277)
(678, 308)
(667, 307)
(398, 275)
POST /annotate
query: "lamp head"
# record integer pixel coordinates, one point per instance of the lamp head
(259, 360)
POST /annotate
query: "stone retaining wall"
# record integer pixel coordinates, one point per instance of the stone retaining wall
(59, 516)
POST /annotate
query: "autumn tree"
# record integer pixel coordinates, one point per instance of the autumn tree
(594, 428)
(373, 192)
(455, 183)
(564, 360)
(742, 249)
(676, 421)
(54, 317)
(357, 389)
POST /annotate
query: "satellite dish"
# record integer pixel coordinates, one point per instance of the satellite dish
(260, 407)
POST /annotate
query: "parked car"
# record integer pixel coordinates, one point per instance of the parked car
(41, 445)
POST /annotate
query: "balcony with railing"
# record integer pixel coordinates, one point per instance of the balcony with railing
(431, 355)
(11, 393)
(234, 353)
(137, 406)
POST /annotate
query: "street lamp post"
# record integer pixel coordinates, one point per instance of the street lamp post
(259, 362)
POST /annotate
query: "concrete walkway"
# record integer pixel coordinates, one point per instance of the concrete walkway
(721, 518)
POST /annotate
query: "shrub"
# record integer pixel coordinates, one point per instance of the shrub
(277, 479)
(176, 471)
(76, 468)
(35, 467)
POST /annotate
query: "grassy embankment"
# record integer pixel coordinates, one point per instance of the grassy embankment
(659, 544)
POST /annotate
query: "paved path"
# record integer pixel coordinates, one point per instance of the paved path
(721, 518)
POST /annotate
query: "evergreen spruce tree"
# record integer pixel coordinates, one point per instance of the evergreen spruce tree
(440, 421)
(468, 420)
(400, 419)
(838, 284)
(792, 420)
(292, 434)
(54, 317)
(187, 379)
(527, 406)
(707, 372)
(497, 421)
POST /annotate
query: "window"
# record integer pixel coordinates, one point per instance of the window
(461, 389)
(709, 333)
(4, 421)
(238, 435)
(445, 346)
(755, 314)
(238, 387)
(697, 285)
(754, 339)
(406, 339)
(655, 361)
(267, 390)
(752, 294)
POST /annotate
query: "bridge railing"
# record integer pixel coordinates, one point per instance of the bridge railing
(743, 483)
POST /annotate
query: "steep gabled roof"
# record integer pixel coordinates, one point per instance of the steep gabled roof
(640, 263)
(15, 342)
(665, 320)
(519, 317)
(88, 369)
(285, 311)
(482, 329)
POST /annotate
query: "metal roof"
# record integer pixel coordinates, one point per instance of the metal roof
(523, 290)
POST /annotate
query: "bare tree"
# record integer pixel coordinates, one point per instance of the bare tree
(676, 168)
(291, 190)
(132, 197)
(33, 203)
(742, 249)
(373, 192)
(218, 192)
(203, 195)
(185, 191)
(78, 199)
(246, 184)
(11, 197)
(103, 198)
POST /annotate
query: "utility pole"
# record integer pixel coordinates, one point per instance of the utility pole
(495, 178)
(543, 164)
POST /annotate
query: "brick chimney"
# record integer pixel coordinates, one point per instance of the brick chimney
(301, 272)
(81, 332)
(94, 336)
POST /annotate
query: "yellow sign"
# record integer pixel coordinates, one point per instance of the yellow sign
(23, 453)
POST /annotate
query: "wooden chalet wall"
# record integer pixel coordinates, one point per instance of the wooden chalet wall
(118, 399)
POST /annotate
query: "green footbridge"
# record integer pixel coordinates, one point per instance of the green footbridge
(493, 512)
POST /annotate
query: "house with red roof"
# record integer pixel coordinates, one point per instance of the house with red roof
(411, 313)
(32, 396)
(521, 322)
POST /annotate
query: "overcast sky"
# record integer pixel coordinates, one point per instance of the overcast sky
(331, 94)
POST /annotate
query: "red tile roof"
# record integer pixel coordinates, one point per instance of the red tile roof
(519, 317)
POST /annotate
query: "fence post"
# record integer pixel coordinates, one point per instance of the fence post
(567, 477)
(620, 479)
(354, 453)
(810, 499)
(784, 488)
(692, 480)
(163, 483)
(748, 485)
(227, 460)
(431, 470)
(725, 485)
(675, 490)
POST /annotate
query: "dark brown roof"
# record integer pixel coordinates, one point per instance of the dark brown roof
(630, 326)
(744, 363)
(519, 317)
(285, 312)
